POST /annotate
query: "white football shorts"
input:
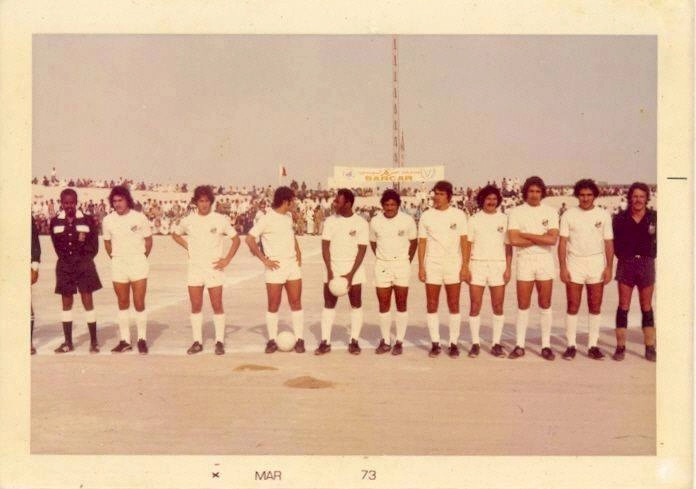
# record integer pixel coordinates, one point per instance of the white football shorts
(131, 268)
(487, 272)
(390, 273)
(538, 266)
(289, 270)
(586, 269)
(443, 272)
(204, 275)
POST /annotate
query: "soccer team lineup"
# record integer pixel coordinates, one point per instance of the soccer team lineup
(460, 252)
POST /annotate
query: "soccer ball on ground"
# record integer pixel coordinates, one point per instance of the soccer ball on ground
(285, 341)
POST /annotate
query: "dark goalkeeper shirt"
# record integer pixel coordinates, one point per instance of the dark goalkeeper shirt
(633, 238)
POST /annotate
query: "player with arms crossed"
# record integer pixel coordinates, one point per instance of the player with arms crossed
(75, 239)
(585, 256)
(282, 258)
(491, 259)
(393, 239)
(443, 258)
(343, 247)
(206, 264)
(635, 241)
(128, 242)
(533, 230)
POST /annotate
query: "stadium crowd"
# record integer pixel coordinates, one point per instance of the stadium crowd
(243, 205)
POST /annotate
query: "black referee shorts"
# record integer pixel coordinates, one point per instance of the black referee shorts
(74, 275)
(636, 271)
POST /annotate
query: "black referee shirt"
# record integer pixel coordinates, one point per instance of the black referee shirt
(76, 239)
(633, 238)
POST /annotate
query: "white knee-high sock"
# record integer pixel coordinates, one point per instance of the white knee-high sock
(401, 324)
(571, 328)
(385, 325)
(356, 322)
(141, 324)
(197, 326)
(546, 318)
(298, 324)
(498, 322)
(475, 327)
(219, 322)
(433, 321)
(521, 326)
(272, 325)
(455, 326)
(124, 325)
(327, 320)
(593, 327)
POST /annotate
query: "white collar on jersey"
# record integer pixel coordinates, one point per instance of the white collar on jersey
(78, 214)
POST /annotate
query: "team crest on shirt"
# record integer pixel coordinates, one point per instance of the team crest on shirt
(401, 232)
(501, 229)
(135, 228)
(545, 223)
(353, 233)
(453, 225)
(213, 230)
(652, 228)
(598, 224)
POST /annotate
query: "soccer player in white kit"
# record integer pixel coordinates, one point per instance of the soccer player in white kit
(490, 265)
(533, 230)
(585, 256)
(393, 239)
(443, 259)
(206, 264)
(128, 242)
(343, 246)
(282, 258)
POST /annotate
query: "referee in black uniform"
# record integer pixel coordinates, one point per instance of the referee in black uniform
(635, 245)
(75, 239)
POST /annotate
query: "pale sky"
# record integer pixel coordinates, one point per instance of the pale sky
(230, 109)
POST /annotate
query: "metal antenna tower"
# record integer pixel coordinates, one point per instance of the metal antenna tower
(397, 135)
